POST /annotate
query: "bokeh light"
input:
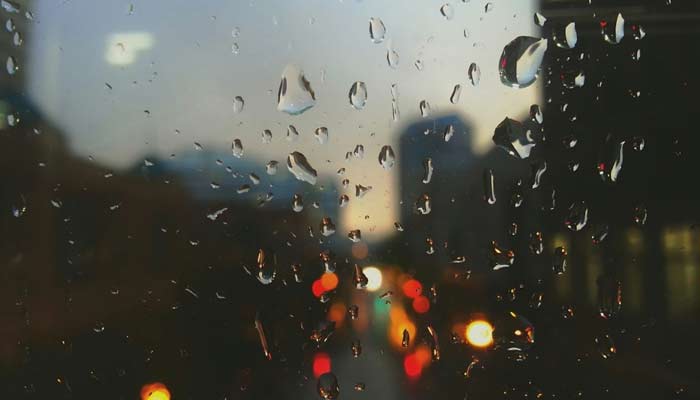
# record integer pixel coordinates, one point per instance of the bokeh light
(412, 366)
(317, 288)
(337, 313)
(479, 333)
(155, 391)
(374, 278)
(321, 364)
(329, 281)
(412, 288)
(421, 304)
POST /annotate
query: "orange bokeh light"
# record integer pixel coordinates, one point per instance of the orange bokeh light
(322, 364)
(412, 288)
(421, 304)
(336, 313)
(479, 333)
(329, 281)
(155, 391)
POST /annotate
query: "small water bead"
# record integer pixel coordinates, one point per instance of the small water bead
(566, 37)
(266, 136)
(386, 157)
(424, 108)
(245, 188)
(237, 148)
(321, 134)
(356, 348)
(327, 226)
(392, 58)
(640, 215)
(538, 170)
(447, 11)
(297, 203)
(361, 191)
(559, 260)
(536, 114)
(353, 311)
(238, 104)
(428, 169)
(609, 296)
(12, 66)
(266, 271)
(405, 339)
(271, 167)
(355, 235)
(343, 200)
(359, 278)
(456, 93)
(489, 186)
(613, 33)
(577, 217)
(448, 133)
(474, 73)
(638, 143)
(514, 333)
(501, 257)
(327, 386)
(606, 346)
(600, 232)
(536, 243)
(424, 204)
(359, 151)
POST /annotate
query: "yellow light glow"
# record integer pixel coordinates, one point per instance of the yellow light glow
(374, 278)
(479, 333)
(155, 391)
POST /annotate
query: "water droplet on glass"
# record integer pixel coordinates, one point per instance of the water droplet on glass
(299, 166)
(606, 346)
(327, 226)
(640, 215)
(377, 30)
(266, 271)
(359, 386)
(418, 64)
(536, 243)
(358, 95)
(10, 6)
(559, 260)
(600, 232)
(577, 217)
(609, 167)
(638, 32)
(262, 337)
(489, 186)
(488, 7)
(540, 19)
(434, 343)
(428, 169)
(538, 170)
(514, 333)
(520, 61)
(424, 204)
(238, 104)
(536, 300)
(235, 48)
(387, 158)
(295, 94)
(10, 25)
(398, 226)
(566, 37)
(245, 188)
(359, 151)
(343, 200)
(359, 278)
(321, 134)
(237, 148)
(447, 11)
(19, 206)
(327, 386)
(355, 235)
(297, 203)
(360, 190)
(356, 348)
(609, 296)
(424, 109)
(17, 39)
(353, 311)
(456, 92)
(254, 178)
(474, 73)
(613, 34)
(12, 66)
(514, 138)
(448, 133)
(638, 143)
(501, 257)
(392, 58)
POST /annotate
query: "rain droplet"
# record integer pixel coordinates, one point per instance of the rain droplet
(17, 39)
(266, 272)
(600, 232)
(359, 278)
(456, 92)
(262, 337)
(398, 226)
(434, 343)
(567, 37)
(358, 95)
(237, 148)
(577, 217)
(387, 157)
(448, 133)
(327, 226)
(428, 169)
(536, 114)
(297, 203)
(640, 215)
(343, 200)
(359, 386)
(418, 64)
(405, 338)
(501, 257)
(359, 151)
(609, 168)
(355, 235)
(474, 73)
(609, 296)
(238, 104)
(514, 138)
(12, 66)
(488, 7)
(356, 348)
(295, 94)
(447, 11)
(10, 25)
(540, 19)
(392, 58)
(292, 133)
(638, 143)
(538, 170)
(606, 346)
(489, 186)
(10, 6)
(353, 311)
(245, 188)
(377, 30)
(638, 32)
(613, 34)
(254, 178)
(327, 386)
(360, 190)
(19, 207)
(321, 134)
(514, 333)
(299, 166)
(559, 260)
(536, 243)
(520, 61)
(424, 109)
(424, 204)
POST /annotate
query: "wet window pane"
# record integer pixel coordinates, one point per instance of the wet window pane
(349, 199)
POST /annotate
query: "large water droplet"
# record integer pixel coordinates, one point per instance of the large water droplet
(511, 136)
(238, 104)
(237, 148)
(474, 73)
(321, 134)
(577, 217)
(295, 94)
(327, 386)
(456, 92)
(559, 260)
(358, 95)
(514, 333)
(613, 33)
(606, 346)
(343, 200)
(377, 30)
(428, 169)
(501, 257)
(566, 37)
(299, 166)
(609, 296)
(424, 108)
(489, 186)
(387, 158)
(12, 66)
(520, 61)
